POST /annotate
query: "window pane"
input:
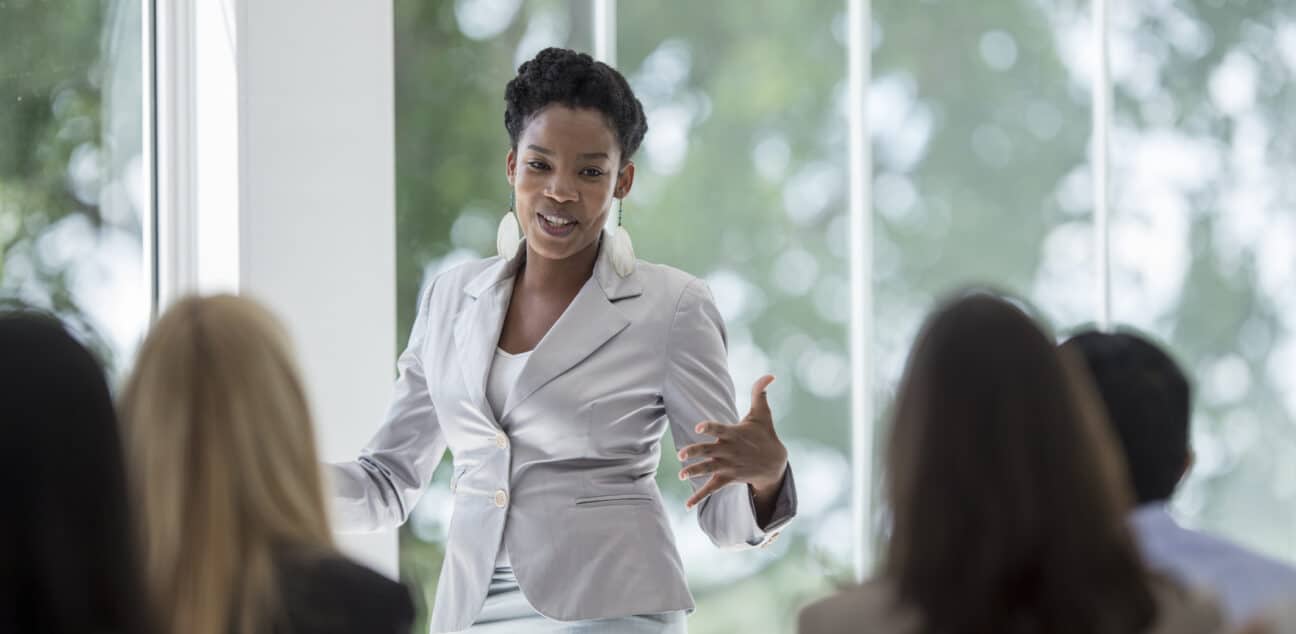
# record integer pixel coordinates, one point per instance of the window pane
(1204, 241)
(979, 114)
(742, 181)
(453, 60)
(72, 177)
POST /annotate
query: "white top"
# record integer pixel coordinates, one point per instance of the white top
(503, 376)
(1246, 583)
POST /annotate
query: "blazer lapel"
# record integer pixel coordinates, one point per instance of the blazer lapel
(588, 322)
(477, 327)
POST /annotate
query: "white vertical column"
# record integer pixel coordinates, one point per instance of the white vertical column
(317, 207)
(1101, 104)
(859, 50)
(605, 40)
(148, 145)
(217, 210)
(276, 179)
(173, 151)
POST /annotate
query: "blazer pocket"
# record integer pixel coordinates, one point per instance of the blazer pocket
(620, 499)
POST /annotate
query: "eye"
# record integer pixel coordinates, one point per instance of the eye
(537, 165)
(592, 172)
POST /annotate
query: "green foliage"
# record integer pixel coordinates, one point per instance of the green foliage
(50, 107)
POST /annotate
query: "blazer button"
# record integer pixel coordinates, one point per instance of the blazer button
(501, 440)
(501, 498)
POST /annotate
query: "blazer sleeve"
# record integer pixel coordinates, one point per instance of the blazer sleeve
(379, 489)
(697, 388)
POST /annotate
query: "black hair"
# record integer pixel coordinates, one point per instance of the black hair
(1148, 400)
(67, 556)
(566, 77)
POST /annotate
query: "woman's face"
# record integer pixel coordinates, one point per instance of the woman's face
(565, 171)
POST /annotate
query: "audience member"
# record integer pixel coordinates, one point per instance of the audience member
(1007, 497)
(223, 464)
(67, 563)
(1148, 401)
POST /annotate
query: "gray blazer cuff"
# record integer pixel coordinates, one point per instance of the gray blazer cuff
(785, 508)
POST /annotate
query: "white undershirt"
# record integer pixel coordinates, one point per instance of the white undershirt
(503, 376)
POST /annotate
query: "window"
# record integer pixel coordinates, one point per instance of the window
(983, 171)
(1204, 241)
(743, 181)
(74, 199)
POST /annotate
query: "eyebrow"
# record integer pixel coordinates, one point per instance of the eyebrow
(549, 152)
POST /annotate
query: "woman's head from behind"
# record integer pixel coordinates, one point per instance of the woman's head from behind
(67, 561)
(573, 124)
(223, 462)
(1008, 499)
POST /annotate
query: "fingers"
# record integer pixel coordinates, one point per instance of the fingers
(708, 428)
(714, 484)
(700, 450)
(701, 467)
(760, 408)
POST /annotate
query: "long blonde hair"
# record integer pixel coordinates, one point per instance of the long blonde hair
(223, 465)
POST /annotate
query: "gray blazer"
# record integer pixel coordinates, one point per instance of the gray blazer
(586, 530)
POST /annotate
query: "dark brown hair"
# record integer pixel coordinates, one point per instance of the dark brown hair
(1007, 496)
(68, 557)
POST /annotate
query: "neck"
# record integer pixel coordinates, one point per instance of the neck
(566, 276)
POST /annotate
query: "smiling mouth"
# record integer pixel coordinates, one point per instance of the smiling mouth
(557, 222)
(556, 225)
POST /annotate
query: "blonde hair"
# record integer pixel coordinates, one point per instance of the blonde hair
(222, 463)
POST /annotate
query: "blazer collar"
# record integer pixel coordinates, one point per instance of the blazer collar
(588, 322)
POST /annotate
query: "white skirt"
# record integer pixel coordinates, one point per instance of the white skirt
(507, 611)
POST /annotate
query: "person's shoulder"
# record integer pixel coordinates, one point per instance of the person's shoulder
(333, 594)
(1229, 559)
(457, 275)
(1184, 610)
(670, 280)
(870, 607)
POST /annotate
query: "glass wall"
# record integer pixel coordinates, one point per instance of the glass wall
(742, 181)
(73, 183)
(979, 130)
(1204, 241)
(979, 116)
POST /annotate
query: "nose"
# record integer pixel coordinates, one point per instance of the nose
(560, 189)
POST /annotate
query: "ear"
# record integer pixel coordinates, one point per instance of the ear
(625, 180)
(510, 166)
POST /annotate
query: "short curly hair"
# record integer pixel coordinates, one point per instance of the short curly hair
(566, 77)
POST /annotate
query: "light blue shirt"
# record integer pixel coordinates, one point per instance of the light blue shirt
(1246, 583)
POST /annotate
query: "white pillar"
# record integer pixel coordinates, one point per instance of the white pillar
(282, 187)
(859, 51)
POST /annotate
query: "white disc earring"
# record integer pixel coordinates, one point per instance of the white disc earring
(623, 254)
(508, 236)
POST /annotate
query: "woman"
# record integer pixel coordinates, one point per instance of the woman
(1007, 498)
(224, 467)
(551, 372)
(67, 555)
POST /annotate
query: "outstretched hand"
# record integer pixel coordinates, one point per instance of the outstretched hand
(749, 451)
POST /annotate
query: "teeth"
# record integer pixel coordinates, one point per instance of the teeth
(556, 221)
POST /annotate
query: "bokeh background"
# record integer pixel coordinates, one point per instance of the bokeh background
(979, 118)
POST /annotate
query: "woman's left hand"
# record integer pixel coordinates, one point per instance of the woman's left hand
(749, 451)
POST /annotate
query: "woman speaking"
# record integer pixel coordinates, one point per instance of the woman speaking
(550, 373)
